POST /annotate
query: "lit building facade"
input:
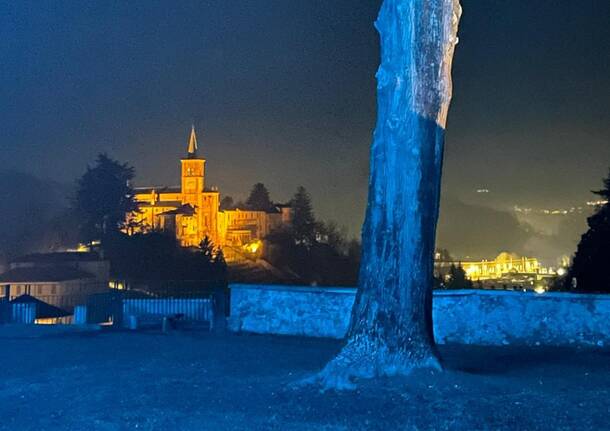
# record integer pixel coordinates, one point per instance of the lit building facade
(505, 263)
(192, 212)
(60, 279)
(504, 266)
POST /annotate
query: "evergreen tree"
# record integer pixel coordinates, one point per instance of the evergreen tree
(227, 203)
(214, 258)
(207, 249)
(589, 270)
(333, 235)
(458, 279)
(303, 219)
(157, 257)
(104, 197)
(219, 258)
(259, 199)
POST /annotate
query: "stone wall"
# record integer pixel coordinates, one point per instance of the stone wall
(290, 310)
(463, 317)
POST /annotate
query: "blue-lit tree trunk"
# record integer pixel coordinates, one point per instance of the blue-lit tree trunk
(391, 326)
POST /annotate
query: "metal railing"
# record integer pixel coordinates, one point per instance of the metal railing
(195, 309)
(193, 301)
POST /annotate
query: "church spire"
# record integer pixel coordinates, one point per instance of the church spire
(192, 150)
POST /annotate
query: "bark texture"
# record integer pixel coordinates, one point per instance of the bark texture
(391, 326)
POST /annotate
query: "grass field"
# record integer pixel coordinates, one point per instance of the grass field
(199, 381)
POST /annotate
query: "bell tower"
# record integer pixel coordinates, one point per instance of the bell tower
(193, 172)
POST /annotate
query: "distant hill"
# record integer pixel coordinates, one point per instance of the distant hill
(477, 231)
(32, 214)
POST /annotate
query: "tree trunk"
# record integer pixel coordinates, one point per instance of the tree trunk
(391, 326)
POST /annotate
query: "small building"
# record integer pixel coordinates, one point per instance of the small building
(60, 279)
(27, 309)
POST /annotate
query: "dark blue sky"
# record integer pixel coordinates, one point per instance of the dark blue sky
(283, 92)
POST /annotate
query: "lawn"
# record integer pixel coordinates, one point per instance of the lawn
(198, 381)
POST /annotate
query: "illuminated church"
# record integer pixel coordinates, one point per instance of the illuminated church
(192, 211)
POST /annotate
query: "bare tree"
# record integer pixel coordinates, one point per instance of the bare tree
(391, 326)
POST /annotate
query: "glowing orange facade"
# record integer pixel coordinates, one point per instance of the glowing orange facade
(192, 211)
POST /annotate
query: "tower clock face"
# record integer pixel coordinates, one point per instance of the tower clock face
(190, 185)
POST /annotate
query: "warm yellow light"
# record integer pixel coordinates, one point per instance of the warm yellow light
(471, 270)
(254, 247)
(118, 285)
(561, 272)
(540, 290)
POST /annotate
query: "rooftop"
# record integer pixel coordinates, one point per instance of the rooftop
(43, 274)
(186, 210)
(157, 189)
(172, 204)
(43, 309)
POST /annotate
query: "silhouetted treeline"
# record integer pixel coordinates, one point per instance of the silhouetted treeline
(318, 253)
(589, 270)
(455, 280)
(157, 256)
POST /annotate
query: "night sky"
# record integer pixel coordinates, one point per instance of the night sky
(283, 92)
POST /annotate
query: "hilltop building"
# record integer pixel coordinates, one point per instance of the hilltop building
(504, 264)
(507, 269)
(191, 211)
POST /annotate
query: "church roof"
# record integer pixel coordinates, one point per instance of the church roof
(186, 210)
(159, 189)
(192, 149)
(162, 204)
(506, 256)
(275, 209)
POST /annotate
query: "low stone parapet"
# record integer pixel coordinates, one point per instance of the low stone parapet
(478, 317)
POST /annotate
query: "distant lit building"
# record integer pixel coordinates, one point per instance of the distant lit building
(507, 270)
(60, 279)
(191, 211)
(505, 263)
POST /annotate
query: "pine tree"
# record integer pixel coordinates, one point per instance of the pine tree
(104, 197)
(589, 270)
(259, 199)
(227, 203)
(303, 219)
(207, 249)
(458, 279)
